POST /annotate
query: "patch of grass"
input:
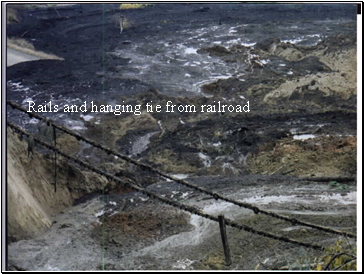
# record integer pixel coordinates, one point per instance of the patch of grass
(338, 186)
(133, 6)
(338, 257)
(24, 46)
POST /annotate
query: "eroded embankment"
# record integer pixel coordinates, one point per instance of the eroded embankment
(32, 200)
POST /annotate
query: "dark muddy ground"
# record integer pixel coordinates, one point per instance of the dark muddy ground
(296, 65)
(99, 59)
(130, 231)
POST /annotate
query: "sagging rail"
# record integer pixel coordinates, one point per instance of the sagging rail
(215, 195)
(190, 209)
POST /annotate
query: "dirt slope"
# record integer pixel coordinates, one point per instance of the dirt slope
(14, 57)
(31, 198)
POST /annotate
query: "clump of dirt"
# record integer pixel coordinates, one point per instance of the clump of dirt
(320, 157)
(268, 45)
(314, 88)
(343, 62)
(274, 47)
(215, 51)
(141, 225)
(338, 54)
(69, 144)
(172, 161)
(289, 53)
(214, 261)
(338, 42)
(292, 52)
(117, 126)
(292, 75)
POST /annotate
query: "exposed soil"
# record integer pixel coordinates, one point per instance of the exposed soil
(140, 226)
(314, 157)
(295, 65)
(15, 57)
(130, 231)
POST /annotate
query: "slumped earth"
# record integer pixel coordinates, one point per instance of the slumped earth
(295, 65)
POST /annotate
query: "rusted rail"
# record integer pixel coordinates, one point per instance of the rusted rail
(193, 210)
(215, 195)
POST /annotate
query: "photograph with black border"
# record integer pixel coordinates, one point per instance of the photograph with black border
(181, 136)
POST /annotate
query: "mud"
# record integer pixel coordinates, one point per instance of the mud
(123, 232)
(296, 65)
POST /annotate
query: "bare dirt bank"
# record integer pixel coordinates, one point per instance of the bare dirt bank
(32, 202)
(13, 57)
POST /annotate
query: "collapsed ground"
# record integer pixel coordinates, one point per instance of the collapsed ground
(301, 86)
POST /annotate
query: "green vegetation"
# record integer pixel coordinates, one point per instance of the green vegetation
(341, 256)
(338, 186)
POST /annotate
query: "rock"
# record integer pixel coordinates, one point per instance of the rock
(215, 51)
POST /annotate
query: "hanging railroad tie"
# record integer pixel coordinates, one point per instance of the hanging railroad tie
(55, 159)
(224, 239)
(187, 184)
(45, 129)
(191, 209)
(47, 132)
(31, 145)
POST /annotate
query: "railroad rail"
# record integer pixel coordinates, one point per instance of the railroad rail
(216, 196)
